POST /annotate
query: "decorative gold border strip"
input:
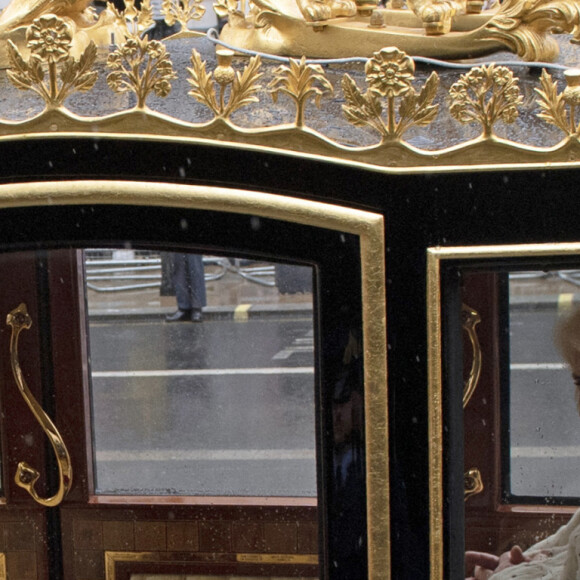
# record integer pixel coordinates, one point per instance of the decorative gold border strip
(368, 226)
(3, 574)
(435, 256)
(113, 558)
(310, 559)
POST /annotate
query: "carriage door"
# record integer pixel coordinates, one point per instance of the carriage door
(139, 449)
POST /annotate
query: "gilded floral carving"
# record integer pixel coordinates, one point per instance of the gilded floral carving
(389, 74)
(49, 39)
(141, 66)
(243, 88)
(486, 95)
(300, 81)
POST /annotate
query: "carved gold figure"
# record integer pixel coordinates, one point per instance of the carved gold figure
(432, 28)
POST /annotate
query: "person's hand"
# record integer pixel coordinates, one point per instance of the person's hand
(477, 562)
(480, 566)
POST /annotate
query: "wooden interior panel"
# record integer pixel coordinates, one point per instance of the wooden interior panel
(197, 534)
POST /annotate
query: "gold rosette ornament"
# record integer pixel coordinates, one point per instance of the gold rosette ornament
(49, 40)
(389, 74)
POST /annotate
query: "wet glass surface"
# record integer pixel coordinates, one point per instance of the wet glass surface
(219, 407)
(544, 422)
(521, 424)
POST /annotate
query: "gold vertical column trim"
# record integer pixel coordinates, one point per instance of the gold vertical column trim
(434, 353)
(376, 399)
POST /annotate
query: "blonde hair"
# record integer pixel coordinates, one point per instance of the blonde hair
(567, 339)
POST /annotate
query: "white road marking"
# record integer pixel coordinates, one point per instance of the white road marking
(538, 366)
(299, 344)
(543, 452)
(205, 372)
(207, 455)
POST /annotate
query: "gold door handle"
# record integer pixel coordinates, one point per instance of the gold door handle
(470, 319)
(26, 476)
(472, 482)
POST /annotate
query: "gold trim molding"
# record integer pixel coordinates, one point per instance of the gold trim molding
(366, 225)
(435, 257)
(113, 558)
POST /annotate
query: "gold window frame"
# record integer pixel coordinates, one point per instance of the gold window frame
(435, 257)
(366, 225)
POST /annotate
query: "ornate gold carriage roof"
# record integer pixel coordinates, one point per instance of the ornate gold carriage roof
(388, 112)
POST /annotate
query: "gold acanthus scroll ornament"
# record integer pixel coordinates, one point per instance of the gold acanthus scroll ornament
(26, 476)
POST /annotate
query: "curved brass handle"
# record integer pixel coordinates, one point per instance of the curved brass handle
(472, 482)
(470, 319)
(26, 476)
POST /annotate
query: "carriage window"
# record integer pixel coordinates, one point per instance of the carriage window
(544, 424)
(520, 422)
(202, 371)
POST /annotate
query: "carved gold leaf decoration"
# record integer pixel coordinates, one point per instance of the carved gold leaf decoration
(243, 88)
(49, 39)
(522, 26)
(300, 82)
(137, 20)
(553, 106)
(182, 11)
(141, 66)
(223, 8)
(486, 95)
(389, 74)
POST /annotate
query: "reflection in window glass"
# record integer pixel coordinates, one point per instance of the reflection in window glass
(201, 387)
(544, 422)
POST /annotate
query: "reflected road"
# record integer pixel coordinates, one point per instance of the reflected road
(218, 408)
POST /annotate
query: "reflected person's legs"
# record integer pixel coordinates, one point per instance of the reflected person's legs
(196, 281)
(189, 284)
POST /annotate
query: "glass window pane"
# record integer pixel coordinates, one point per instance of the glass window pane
(544, 423)
(218, 401)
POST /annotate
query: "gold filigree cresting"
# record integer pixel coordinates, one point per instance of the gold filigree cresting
(140, 66)
(389, 74)
(243, 86)
(486, 95)
(390, 105)
(49, 39)
(26, 476)
(300, 81)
